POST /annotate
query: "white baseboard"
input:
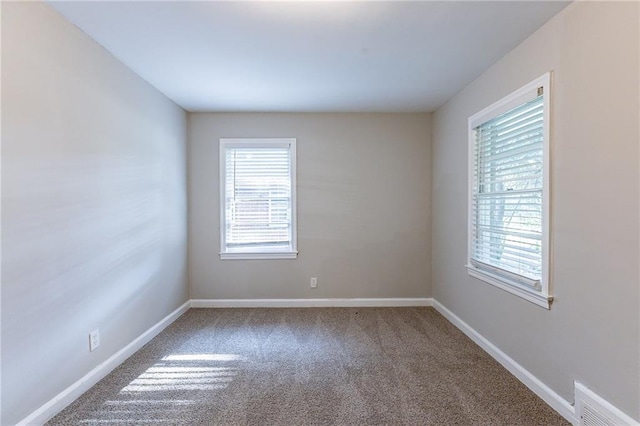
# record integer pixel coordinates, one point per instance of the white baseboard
(70, 394)
(309, 303)
(555, 401)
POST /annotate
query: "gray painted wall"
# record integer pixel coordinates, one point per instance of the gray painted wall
(363, 207)
(591, 334)
(93, 205)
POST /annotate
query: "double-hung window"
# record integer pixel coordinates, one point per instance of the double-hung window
(509, 193)
(258, 199)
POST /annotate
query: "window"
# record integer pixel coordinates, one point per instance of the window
(258, 199)
(509, 193)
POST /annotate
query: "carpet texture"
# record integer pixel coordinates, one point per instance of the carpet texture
(320, 366)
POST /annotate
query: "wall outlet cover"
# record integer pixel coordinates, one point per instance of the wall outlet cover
(94, 340)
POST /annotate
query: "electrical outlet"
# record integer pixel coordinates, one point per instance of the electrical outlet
(314, 282)
(94, 340)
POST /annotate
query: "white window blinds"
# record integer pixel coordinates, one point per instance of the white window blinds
(258, 214)
(509, 193)
(507, 196)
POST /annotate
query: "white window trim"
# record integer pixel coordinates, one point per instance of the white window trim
(263, 254)
(543, 296)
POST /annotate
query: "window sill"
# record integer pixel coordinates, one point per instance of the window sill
(511, 287)
(257, 256)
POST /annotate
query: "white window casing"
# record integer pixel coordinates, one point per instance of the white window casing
(258, 198)
(509, 193)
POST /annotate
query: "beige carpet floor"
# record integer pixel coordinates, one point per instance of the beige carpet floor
(320, 366)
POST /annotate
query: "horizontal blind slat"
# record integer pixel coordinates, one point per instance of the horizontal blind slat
(502, 136)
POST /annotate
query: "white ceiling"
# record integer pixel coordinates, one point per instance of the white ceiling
(309, 56)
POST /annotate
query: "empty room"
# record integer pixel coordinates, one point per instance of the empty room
(320, 213)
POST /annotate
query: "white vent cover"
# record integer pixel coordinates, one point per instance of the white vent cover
(593, 410)
(592, 417)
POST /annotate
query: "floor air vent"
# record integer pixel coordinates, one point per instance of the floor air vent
(593, 410)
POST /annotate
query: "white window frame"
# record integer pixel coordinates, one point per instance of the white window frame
(262, 253)
(542, 296)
